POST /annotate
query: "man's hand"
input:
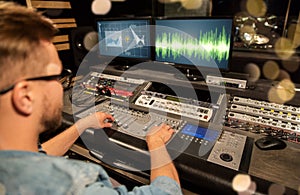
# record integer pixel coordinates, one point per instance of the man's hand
(161, 163)
(158, 136)
(97, 120)
(61, 143)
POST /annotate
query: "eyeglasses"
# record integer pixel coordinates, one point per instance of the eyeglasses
(65, 78)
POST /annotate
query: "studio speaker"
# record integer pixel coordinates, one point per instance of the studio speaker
(83, 39)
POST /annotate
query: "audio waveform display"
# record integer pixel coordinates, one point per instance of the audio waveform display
(209, 45)
(202, 42)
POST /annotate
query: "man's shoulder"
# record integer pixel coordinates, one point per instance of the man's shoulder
(41, 171)
(32, 160)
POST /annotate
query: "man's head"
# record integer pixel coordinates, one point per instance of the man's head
(26, 51)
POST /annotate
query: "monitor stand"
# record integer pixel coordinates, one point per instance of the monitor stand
(190, 77)
(122, 67)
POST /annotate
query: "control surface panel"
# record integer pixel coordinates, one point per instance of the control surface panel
(228, 150)
(95, 86)
(133, 122)
(176, 105)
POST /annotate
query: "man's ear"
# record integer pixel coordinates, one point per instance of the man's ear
(22, 98)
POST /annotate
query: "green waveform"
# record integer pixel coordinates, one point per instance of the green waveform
(209, 45)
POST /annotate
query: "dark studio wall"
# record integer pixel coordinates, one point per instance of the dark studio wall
(129, 8)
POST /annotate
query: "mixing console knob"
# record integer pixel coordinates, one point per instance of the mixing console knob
(226, 157)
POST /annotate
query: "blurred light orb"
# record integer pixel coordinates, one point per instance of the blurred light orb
(291, 65)
(250, 191)
(283, 74)
(284, 48)
(273, 96)
(101, 7)
(256, 8)
(191, 4)
(276, 189)
(253, 71)
(293, 33)
(90, 40)
(271, 70)
(285, 90)
(241, 182)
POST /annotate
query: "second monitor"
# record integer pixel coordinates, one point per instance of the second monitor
(197, 44)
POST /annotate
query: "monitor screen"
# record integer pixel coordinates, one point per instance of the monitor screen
(124, 38)
(198, 42)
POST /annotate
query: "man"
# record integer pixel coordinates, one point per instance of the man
(31, 103)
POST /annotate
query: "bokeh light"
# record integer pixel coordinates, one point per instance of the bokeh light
(271, 69)
(293, 34)
(101, 7)
(273, 96)
(283, 92)
(291, 65)
(253, 71)
(250, 191)
(191, 4)
(276, 189)
(286, 90)
(283, 74)
(284, 48)
(256, 8)
(241, 182)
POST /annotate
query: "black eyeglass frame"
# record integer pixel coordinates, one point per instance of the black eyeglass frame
(64, 77)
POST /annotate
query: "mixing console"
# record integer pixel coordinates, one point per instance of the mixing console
(132, 125)
(198, 130)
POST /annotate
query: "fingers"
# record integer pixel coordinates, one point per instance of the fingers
(167, 133)
(158, 136)
(105, 119)
(109, 118)
(163, 132)
(167, 128)
(162, 127)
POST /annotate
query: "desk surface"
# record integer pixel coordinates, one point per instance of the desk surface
(276, 166)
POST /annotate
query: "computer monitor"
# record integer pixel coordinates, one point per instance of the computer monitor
(124, 40)
(195, 44)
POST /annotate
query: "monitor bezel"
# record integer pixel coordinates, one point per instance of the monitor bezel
(194, 68)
